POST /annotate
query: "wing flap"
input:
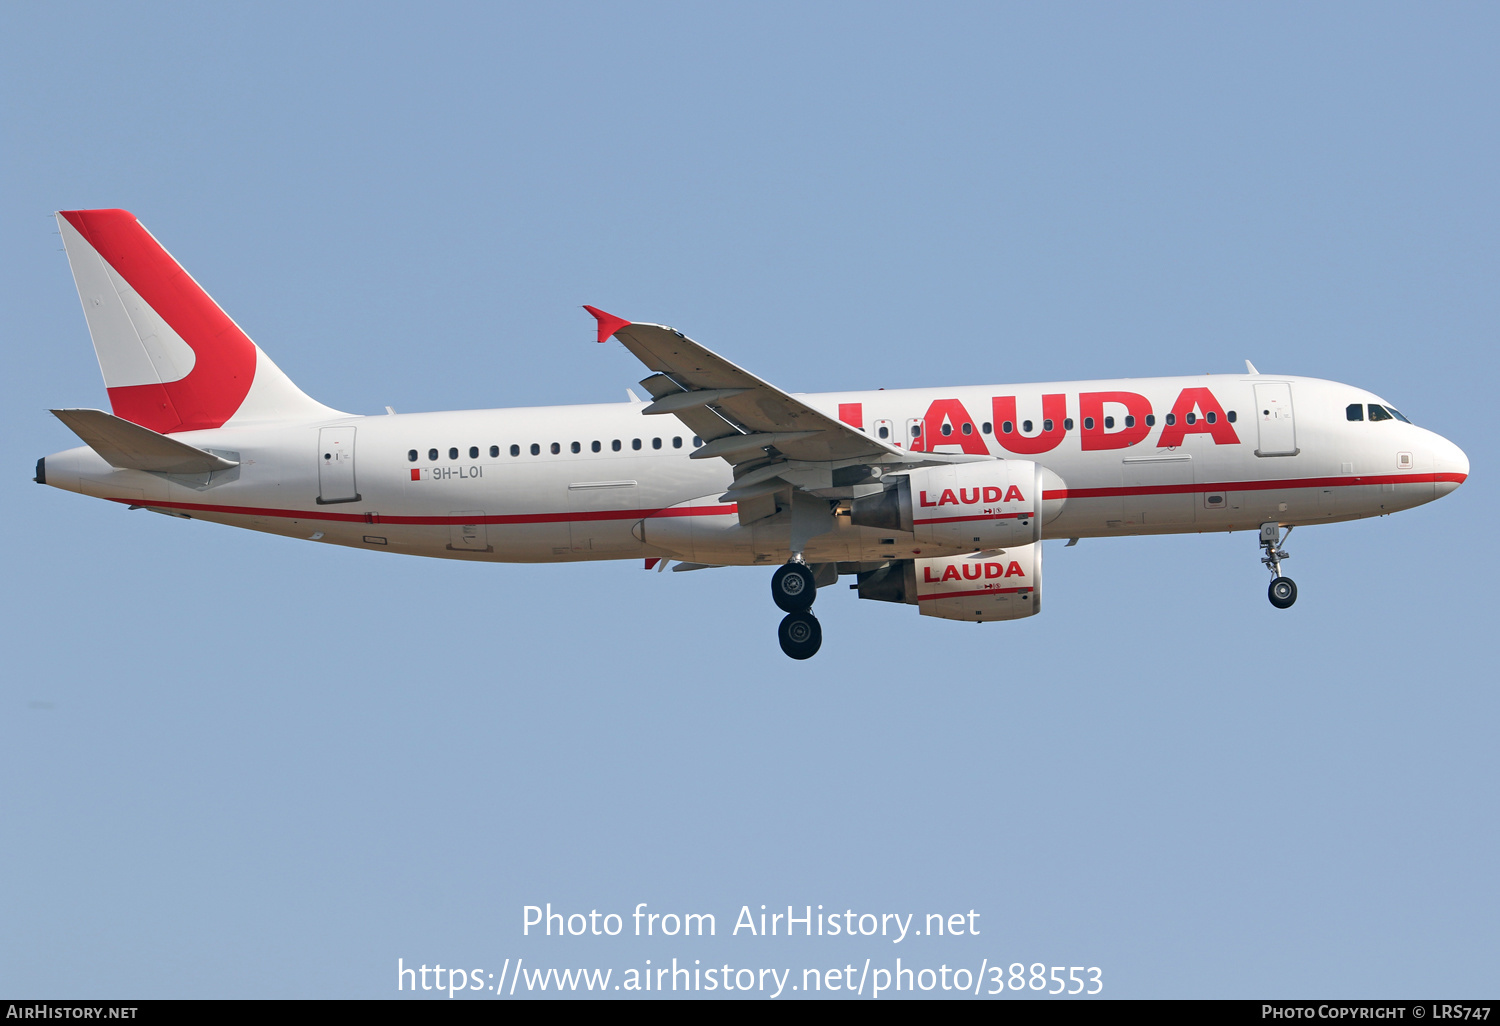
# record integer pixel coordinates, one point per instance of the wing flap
(697, 397)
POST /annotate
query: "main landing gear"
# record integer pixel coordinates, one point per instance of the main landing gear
(1283, 590)
(794, 590)
(800, 635)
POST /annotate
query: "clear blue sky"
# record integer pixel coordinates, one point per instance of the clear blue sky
(237, 765)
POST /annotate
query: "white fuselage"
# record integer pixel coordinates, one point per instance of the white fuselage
(1304, 462)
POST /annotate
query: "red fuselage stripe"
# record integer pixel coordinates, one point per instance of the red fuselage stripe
(381, 518)
(728, 508)
(1253, 486)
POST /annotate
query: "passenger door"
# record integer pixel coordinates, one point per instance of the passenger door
(336, 466)
(1273, 410)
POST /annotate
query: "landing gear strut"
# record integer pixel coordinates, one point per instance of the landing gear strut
(794, 590)
(1283, 590)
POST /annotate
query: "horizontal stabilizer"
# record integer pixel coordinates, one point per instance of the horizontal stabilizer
(129, 446)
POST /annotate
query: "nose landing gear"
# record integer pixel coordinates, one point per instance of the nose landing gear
(1283, 590)
(794, 589)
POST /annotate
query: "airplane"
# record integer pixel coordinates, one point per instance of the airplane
(939, 498)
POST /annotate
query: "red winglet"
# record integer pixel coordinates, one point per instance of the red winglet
(651, 561)
(608, 323)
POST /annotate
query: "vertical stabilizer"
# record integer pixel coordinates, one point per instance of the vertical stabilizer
(172, 360)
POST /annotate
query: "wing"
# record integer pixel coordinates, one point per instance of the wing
(776, 443)
(739, 417)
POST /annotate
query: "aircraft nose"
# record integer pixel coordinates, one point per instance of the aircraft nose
(1450, 465)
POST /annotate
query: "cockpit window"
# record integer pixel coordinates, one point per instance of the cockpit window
(1397, 414)
(1355, 411)
(1378, 412)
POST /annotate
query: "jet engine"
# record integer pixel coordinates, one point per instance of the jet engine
(1003, 585)
(983, 505)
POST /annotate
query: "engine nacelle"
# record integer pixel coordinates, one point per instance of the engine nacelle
(992, 504)
(1006, 586)
(981, 588)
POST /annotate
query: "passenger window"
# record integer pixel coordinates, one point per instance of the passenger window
(453, 453)
(916, 430)
(556, 448)
(946, 429)
(494, 451)
(1006, 427)
(1088, 423)
(432, 454)
(473, 452)
(1026, 426)
(1192, 418)
(536, 450)
(1171, 419)
(968, 429)
(411, 454)
(1151, 420)
(884, 432)
(986, 427)
(1210, 416)
(677, 441)
(1046, 425)
(1109, 422)
(1378, 413)
(656, 443)
(515, 450)
(1129, 421)
(576, 447)
(1067, 423)
(635, 443)
(697, 441)
(615, 445)
(1230, 416)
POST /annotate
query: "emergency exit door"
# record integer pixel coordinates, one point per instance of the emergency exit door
(914, 432)
(1273, 411)
(336, 465)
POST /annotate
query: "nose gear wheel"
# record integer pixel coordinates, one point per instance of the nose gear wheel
(1283, 592)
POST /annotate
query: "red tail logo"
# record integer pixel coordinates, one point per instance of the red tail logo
(224, 364)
